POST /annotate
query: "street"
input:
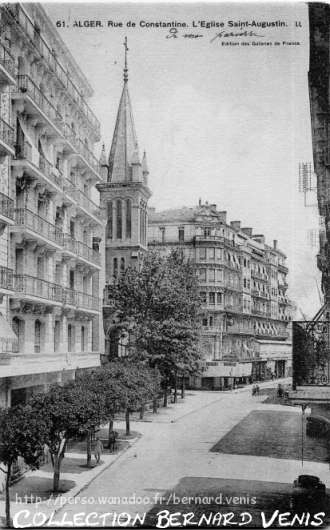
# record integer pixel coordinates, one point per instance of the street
(173, 459)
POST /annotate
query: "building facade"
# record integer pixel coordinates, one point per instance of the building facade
(51, 227)
(124, 198)
(243, 284)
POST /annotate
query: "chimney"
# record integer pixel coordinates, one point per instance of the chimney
(259, 237)
(236, 225)
(223, 215)
(275, 244)
(247, 231)
(199, 202)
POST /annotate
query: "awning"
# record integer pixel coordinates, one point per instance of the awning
(6, 332)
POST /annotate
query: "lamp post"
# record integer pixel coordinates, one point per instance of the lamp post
(303, 407)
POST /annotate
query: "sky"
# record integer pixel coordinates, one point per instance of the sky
(225, 123)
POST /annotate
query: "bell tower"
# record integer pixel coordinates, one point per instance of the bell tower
(124, 196)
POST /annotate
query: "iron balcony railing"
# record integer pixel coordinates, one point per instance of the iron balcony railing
(6, 206)
(50, 171)
(39, 225)
(80, 299)
(30, 285)
(81, 249)
(6, 278)
(27, 85)
(86, 202)
(7, 60)
(7, 133)
(48, 55)
(87, 301)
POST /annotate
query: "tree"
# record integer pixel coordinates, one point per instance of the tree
(22, 434)
(161, 303)
(136, 385)
(62, 409)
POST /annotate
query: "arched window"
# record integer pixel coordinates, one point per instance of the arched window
(37, 336)
(18, 329)
(109, 228)
(128, 219)
(83, 338)
(119, 220)
(115, 267)
(122, 265)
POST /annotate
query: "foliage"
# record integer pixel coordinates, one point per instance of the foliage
(22, 434)
(160, 305)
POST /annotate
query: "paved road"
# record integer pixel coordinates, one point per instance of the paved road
(177, 446)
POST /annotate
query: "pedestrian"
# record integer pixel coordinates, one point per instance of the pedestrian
(98, 450)
(254, 390)
(257, 390)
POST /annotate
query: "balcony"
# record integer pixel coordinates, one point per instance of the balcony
(283, 268)
(81, 301)
(6, 210)
(231, 330)
(38, 105)
(259, 276)
(85, 158)
(36, 228)
(6, 280)
(87, 302)
(36, 166)
(259, 312)
(7, 66)
(86, 206)
(233, 308)
(35, 289)
(81, 250)
(45, 362)
(40, 47)
(6, 138)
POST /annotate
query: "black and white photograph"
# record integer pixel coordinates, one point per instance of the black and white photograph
(165, 265)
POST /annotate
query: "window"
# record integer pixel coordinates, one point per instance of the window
(202, 275)
(72, 229)
(128, 219)
(204, 322)
(207, 231)
(219, 298)
(71, 337)
(181, 235)
(37, 336)
(219, 253)
(218, 275)
(211, 322)
(202, 253)
(212, 298)
(244, 282)
(211, 253)
(57, 335)
(203, 297)
(119, 220)
(122, 265)
(212, 275)
(115, 267)
(109, 227)
(83, 338)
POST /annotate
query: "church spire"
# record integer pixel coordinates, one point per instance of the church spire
(124, 158)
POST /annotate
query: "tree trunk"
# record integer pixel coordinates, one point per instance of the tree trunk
(142, 411)
(154, 406)
(128, 431)
(8, 475)
(165, 395)
(110, 432)
(175, 389)
(89, 448)
(182, 387)
(57, 468)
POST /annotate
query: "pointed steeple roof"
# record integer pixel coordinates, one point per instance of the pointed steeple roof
(124, 148)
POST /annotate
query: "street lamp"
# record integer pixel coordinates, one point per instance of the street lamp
(303, 408)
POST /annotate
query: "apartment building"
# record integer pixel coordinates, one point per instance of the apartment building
(50, 221)
(243, 286)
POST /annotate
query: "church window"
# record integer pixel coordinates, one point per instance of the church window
(119, 220)
(109, 229)
(128, 219)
